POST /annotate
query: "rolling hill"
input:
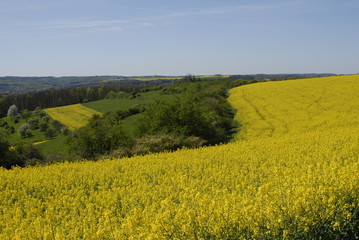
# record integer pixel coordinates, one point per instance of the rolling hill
(291, 173)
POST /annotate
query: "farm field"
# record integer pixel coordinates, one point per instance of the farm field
(73, 116)
(275, 109)
(291, 173)
(77, 115)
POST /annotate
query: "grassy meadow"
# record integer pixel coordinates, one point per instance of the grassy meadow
(16, 139)
(123, 104)
(77, 115)
(291, 173)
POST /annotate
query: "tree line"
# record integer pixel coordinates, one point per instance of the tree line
(61, 97)
(197, 115)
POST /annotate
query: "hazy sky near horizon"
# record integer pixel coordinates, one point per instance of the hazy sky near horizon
(177, 37)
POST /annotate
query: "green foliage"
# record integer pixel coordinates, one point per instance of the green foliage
(4, 146)
(124, 104)
(160, 143)
(38, 112)
(28, 133)
(9, 129)
(117, 95)
(34, 123)
(25, 114)
(21, 155)
(12, 111)
(3, 123)
(45, 119)
(50, 133)
(23, 130)
(65, 130)
(196, 114)
(201, 111)
(57, 125)
(43, 127)
(101, 136)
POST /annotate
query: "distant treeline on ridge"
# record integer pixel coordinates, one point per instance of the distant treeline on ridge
(60, 97)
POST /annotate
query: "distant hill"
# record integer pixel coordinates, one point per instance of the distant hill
(18, 85)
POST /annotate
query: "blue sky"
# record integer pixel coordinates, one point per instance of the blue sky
(177, 37)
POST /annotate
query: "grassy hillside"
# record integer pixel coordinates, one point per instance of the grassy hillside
(16, 139)
(107, 105)
(77, 115)
(291, 174)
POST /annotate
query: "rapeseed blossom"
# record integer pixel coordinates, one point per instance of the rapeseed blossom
(291, 173)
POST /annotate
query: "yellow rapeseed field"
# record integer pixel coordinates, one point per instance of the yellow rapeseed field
(292, 173)
(73, 116)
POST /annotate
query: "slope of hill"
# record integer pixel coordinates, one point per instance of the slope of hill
(291, 174)
(73, 116)
(296, 107)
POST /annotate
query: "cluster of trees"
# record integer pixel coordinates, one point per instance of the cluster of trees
(61, 97)
(21, 85)
(197, 115)
(21, 155)
(33, 121)
(26, 154)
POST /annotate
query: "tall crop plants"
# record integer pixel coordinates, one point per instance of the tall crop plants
(291, 174)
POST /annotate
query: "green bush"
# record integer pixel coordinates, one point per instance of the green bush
(25, 114)
(23, 129)
(160, 143)
(101, 136)
(201, 112)
(50, 133)
(43, 127)
(3, 123)
(34, 123)
(65, 130)
(21, 155)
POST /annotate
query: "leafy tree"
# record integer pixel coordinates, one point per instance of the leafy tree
(29, 155)
(182, 116)
(23, 130)
(15, 119)
(50, 133)
(202, 111)
(43, 127)
(25, 114)
(65, 130)
(160, 143)
(37, 111)
(34, 123)
(12, 112)
(9, 129)
(28, 133)
(3, 123)
(45, 119)
(21, 155)
(57, 125)
(100, 136)
(4, 146)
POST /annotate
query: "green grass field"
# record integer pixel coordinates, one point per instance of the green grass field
(107, 105)
(16, 139)
(128, 123)
(57, 146)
